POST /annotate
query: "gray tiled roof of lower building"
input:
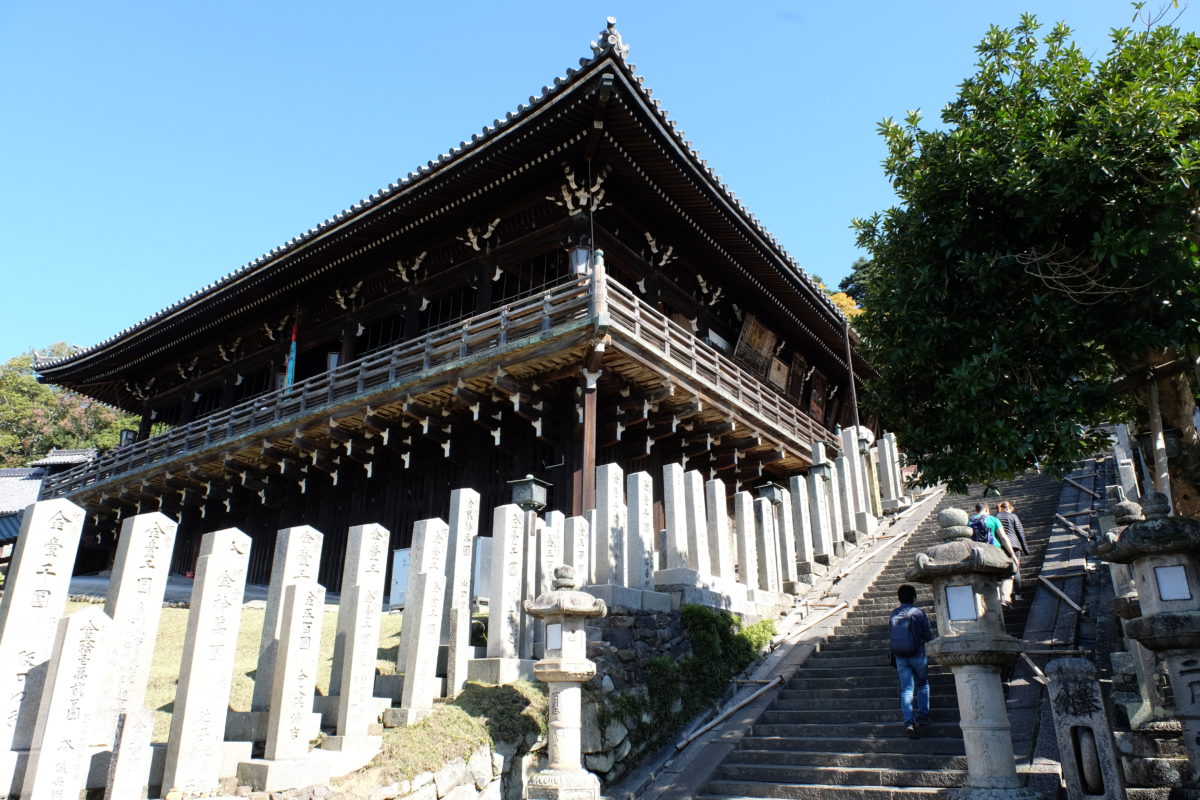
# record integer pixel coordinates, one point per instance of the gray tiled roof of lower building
(56, 457)
(19, 488)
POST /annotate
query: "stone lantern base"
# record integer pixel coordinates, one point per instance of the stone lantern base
(559, 784)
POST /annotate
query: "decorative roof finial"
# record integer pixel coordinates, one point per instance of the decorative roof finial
(610, 40)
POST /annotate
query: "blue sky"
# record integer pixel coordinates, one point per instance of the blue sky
(151, 148)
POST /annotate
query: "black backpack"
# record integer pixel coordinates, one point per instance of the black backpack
(979, 529)
(904, 633)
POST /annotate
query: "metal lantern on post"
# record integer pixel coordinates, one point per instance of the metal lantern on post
(972, 642)
(530, 494)
(565, 669)
(772, 492)
(1165, 555)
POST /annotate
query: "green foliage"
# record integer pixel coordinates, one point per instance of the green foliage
(35, 418)
(1044, 245)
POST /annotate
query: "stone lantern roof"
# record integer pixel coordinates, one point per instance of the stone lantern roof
(957, 554)
(1156, 534)
(565, 599)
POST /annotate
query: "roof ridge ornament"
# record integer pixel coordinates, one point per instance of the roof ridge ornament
(611, 41)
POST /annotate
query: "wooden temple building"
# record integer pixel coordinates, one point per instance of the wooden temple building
(573, 286)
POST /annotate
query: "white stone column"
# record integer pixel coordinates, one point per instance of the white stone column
(206, 672)
(675, 513)
(718, 530)
(361, 610)
(75, 680)
(129, 768)
(801, 519)
(767, 545)
(464, 529)
(365, 567)
(611, 560)
(833, 489)
(297, 556)
(747, 540)
(35, 595)
(420, 674)
(508, 550)
(577, 546)
(699, 557)
(845, 497)
(430, 548)
(295, 671)
(853, 481)
(786, 534)
(818, 499)
(639, 494)
(134, 603)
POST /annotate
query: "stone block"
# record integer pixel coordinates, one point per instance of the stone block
(614, 595)
(479, 767)
(500, 670)
(655, 601)
(451, 775)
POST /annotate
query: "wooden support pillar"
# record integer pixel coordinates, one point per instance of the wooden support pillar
(349, 343)
(587, 465)
(146, 424)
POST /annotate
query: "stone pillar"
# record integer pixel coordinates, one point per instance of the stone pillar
(786, 534)
(134, 603)
(577, 545)
(420, 668)
(853, 482)
(818, 499)
(297, 556)
(611, 556)
(806, 565)
(873, 495)
(972, 642)
(675, 511)
(206, 672)
(844, 499)
(549, 556)
(865, 519)
(747, 540)
(35, 594)
(464, 529)
(295, 671)
(129, 768)
(565, 669)
(75, 681)
(889, 473)
(430, 548)
(766, 544)
(504, 615)
(834, 489)
(639, 494)
(1087, 752)
(365, 565)
(721, 559)
(699, 554)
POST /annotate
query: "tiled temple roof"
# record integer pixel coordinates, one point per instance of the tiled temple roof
(610, 46)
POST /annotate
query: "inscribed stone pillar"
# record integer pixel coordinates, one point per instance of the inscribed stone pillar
(639, 494)
(295, 671)
(75, 680)
(134, 603)
(767, 545)
(365, 567)
(801, 520)
(34, 596)
(206, 670)
(786, 535)
(549, 550)
(504, 615)
(464, 525)
(699, 557)
(818, 506)
(297, 556)
(855, 477)
(675, 514)
(461, 651)
(609, 536)
(420, 670)
(359, 614)
(718, 530)
(889, 471)
(873, 495)
(577, 546)
(845, 498)
(747, 549)
(833, 490)
(430, 544)
(1088, 755)
(129, 767)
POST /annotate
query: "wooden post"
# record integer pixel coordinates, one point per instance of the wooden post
(588, 465)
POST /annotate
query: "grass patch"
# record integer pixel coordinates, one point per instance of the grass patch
(168, 653)
(481, 714)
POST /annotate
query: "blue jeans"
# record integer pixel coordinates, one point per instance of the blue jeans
(914, 677)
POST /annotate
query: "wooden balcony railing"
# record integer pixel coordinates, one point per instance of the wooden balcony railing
(383, 370)
(579, 301)
(712, 371)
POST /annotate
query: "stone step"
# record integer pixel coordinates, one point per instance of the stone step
(947, 701)
(880, 716)
(880, 672)
(842, 776)
(929, 745)
(809, 792)
(823, 660)
(852, 730)
(848, 758)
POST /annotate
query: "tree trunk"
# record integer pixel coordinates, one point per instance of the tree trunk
(1176, 404)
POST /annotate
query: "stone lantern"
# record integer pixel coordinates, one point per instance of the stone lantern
(1165, 555)
(565, 669)
(971, 641)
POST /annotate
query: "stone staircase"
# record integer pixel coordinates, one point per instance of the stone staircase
(835, 732)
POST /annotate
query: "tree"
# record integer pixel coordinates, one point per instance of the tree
(1043, 257)
(34, 417)
(854, 283)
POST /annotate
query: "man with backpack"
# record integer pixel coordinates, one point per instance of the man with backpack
(908, 631)
(985, 528)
